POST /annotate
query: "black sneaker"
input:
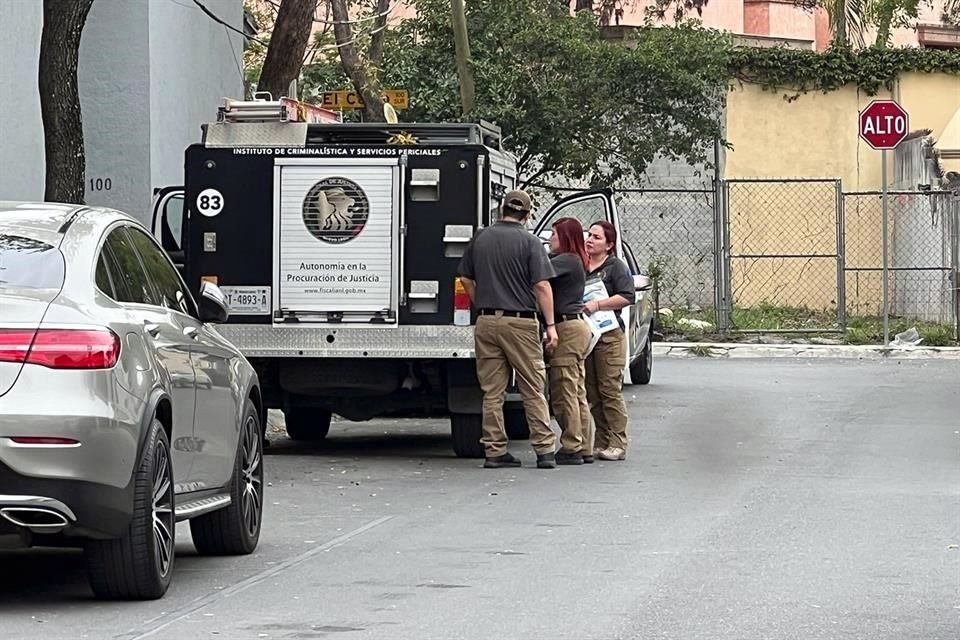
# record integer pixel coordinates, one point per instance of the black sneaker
(588, 459)
(546, 461)
(569, 458)
(506, 460)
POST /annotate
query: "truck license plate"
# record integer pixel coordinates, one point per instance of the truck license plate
(247, 300)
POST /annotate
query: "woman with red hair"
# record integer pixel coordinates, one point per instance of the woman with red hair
(568, 391)
(608, 358)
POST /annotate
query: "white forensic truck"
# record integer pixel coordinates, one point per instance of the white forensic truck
(337, 246)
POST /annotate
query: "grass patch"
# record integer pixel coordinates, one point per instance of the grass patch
(869, 330)
(772, 319)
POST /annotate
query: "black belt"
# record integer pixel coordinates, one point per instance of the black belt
(509, 314)
(564, 317)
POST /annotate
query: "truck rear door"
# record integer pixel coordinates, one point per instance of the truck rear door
(589, 207)
(445, 203)
(337, 240)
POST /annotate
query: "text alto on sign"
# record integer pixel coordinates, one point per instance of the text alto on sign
(884, 124)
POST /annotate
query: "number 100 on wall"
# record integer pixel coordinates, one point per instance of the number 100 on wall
(101, 184)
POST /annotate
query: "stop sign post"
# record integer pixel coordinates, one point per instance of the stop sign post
(883, 125)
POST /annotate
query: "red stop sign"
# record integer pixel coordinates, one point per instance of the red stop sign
(884, 124)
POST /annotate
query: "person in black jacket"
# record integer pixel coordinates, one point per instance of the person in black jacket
(607, 360)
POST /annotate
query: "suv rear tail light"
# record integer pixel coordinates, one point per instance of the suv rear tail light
(461, 304)
(61, 348)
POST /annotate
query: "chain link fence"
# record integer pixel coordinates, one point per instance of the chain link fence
(784, 262)
(672, 234)
(795, 256)
(922, 246)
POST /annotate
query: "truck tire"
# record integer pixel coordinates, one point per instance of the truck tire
(139, 565)
(641, 369)
(235, 529)
(466, 429)
(515, 421)
(307, 424)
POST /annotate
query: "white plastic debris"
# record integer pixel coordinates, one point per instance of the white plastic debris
(694, 323)
(909, 338)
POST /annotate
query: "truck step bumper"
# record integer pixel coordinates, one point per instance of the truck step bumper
(417, 341)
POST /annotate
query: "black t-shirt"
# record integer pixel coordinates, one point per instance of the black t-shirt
(617, 279)
(505, 260)
(568, 284)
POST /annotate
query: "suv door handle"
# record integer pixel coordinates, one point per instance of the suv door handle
(151, 328)
(191, 332)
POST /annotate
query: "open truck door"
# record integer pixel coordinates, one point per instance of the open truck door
(595, 205)
(168, 219)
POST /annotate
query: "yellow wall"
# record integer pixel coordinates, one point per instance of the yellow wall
(813, 136)
(930, 99)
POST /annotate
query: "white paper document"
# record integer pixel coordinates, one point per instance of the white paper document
(601, 321)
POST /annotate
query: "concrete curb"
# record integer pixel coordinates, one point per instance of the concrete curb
(854, 352)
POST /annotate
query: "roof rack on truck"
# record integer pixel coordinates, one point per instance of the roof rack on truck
(287, 122)
(263, 108)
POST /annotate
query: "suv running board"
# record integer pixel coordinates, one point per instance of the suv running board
(202, 506)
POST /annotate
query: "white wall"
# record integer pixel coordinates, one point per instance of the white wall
(194, 62)
(150, 72)
(21, 128)
(114, 80)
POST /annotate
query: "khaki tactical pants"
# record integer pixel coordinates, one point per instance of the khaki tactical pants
(504, 343)
(604, 389)
(568, 391)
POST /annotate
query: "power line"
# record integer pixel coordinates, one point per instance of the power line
(226, 24)
(216, 18)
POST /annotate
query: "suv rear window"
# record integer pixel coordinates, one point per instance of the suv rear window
(27, 263)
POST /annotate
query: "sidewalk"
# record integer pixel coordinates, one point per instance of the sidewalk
(857, 352)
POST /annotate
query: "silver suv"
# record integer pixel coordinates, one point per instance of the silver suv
(122, 410)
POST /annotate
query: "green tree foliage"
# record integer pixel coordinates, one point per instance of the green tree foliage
(851, 20)
(570, 103)
(951, 12)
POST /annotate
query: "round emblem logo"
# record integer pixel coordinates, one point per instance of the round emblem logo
(335, 210)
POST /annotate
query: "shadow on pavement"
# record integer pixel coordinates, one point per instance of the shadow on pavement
(45, 576)
(389, 438)
(391, 445)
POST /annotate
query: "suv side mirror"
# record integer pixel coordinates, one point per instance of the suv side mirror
(642, 283)
(213, 304)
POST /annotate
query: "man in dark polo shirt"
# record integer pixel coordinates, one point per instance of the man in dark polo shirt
(506, 273)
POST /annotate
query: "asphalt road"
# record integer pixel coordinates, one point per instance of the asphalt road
(761, 500)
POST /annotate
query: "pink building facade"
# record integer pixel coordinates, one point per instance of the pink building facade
(783, 21)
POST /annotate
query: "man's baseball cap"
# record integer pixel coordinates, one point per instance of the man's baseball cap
(517, 200)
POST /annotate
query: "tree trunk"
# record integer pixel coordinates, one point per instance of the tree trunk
(464, 71)
(583, 5)
(288, 44)
(364, 74)
(63, 22)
